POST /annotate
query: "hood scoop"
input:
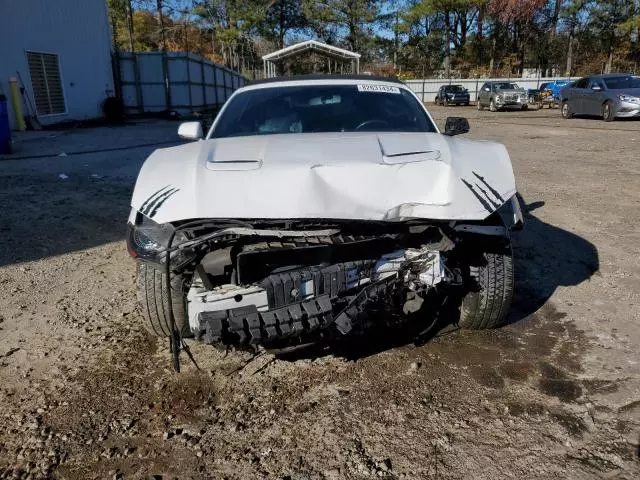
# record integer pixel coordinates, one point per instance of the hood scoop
(236, 157)
(406, 149)
(234, 165)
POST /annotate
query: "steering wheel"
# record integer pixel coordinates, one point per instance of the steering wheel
(368, 123)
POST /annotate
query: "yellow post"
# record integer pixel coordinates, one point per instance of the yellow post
(16, 103)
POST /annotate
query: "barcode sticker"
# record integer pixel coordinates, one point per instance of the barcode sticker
(378, 89)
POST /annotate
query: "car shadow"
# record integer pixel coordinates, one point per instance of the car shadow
(45, 216)
(599, 118)
(545, 257)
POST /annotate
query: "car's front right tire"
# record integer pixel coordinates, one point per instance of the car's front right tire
(153, 300)
(492, 106)
(489, 285)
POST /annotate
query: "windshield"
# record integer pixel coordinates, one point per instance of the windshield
(507, 86)
(622, 82)
(453, 88)
(322, 108)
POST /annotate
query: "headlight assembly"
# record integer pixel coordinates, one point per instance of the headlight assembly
(148, 240)
(629, 98)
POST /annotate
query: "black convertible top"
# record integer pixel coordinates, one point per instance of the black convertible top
(296, 78)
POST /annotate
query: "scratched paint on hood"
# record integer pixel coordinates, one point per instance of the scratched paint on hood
(360, 175)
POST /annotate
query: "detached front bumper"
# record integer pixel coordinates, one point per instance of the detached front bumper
(250, 326)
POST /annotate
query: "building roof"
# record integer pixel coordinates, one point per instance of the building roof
(328, 50)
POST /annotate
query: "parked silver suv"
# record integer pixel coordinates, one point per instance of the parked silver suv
(498, 95)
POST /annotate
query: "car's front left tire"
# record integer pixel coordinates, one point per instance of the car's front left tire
(489, 284)
(153, 300)
(608, 112)
(565, 110)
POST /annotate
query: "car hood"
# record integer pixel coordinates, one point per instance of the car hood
(366, 176)
(628, 91)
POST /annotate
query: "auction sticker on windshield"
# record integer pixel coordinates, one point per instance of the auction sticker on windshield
(378, 88)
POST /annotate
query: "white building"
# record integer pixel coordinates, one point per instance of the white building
(62, 51)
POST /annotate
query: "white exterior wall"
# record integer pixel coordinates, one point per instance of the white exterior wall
(78, 32)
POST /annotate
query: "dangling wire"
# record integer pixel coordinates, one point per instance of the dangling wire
(176, 342)
(175, 338)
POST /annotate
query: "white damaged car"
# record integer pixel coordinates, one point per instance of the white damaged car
(314, 202)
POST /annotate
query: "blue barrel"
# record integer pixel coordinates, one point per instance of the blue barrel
(5, 130)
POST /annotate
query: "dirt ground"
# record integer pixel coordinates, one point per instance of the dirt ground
(86, 393)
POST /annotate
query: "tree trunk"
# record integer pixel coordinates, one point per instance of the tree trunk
(518, 43)
(479, 37)
(609, 66)
(494, 49)
(554, 18)
(161, 21)
(463, 29)
(567, 70)
(396, 41)
(282, 24)
(130, 25)
(447, 44)
(637, 14)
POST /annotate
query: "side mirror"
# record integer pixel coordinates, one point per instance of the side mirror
(456, 126)
(596, 88)
(190, 131)
(487, 89)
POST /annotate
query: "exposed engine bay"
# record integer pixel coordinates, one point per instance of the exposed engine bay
(276, 282)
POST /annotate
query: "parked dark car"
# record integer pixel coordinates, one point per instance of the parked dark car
(611, 96)
(452, 95)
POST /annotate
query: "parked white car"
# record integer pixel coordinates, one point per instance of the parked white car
(313, 201)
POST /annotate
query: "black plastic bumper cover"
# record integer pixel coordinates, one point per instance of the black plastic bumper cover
(248, 326)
